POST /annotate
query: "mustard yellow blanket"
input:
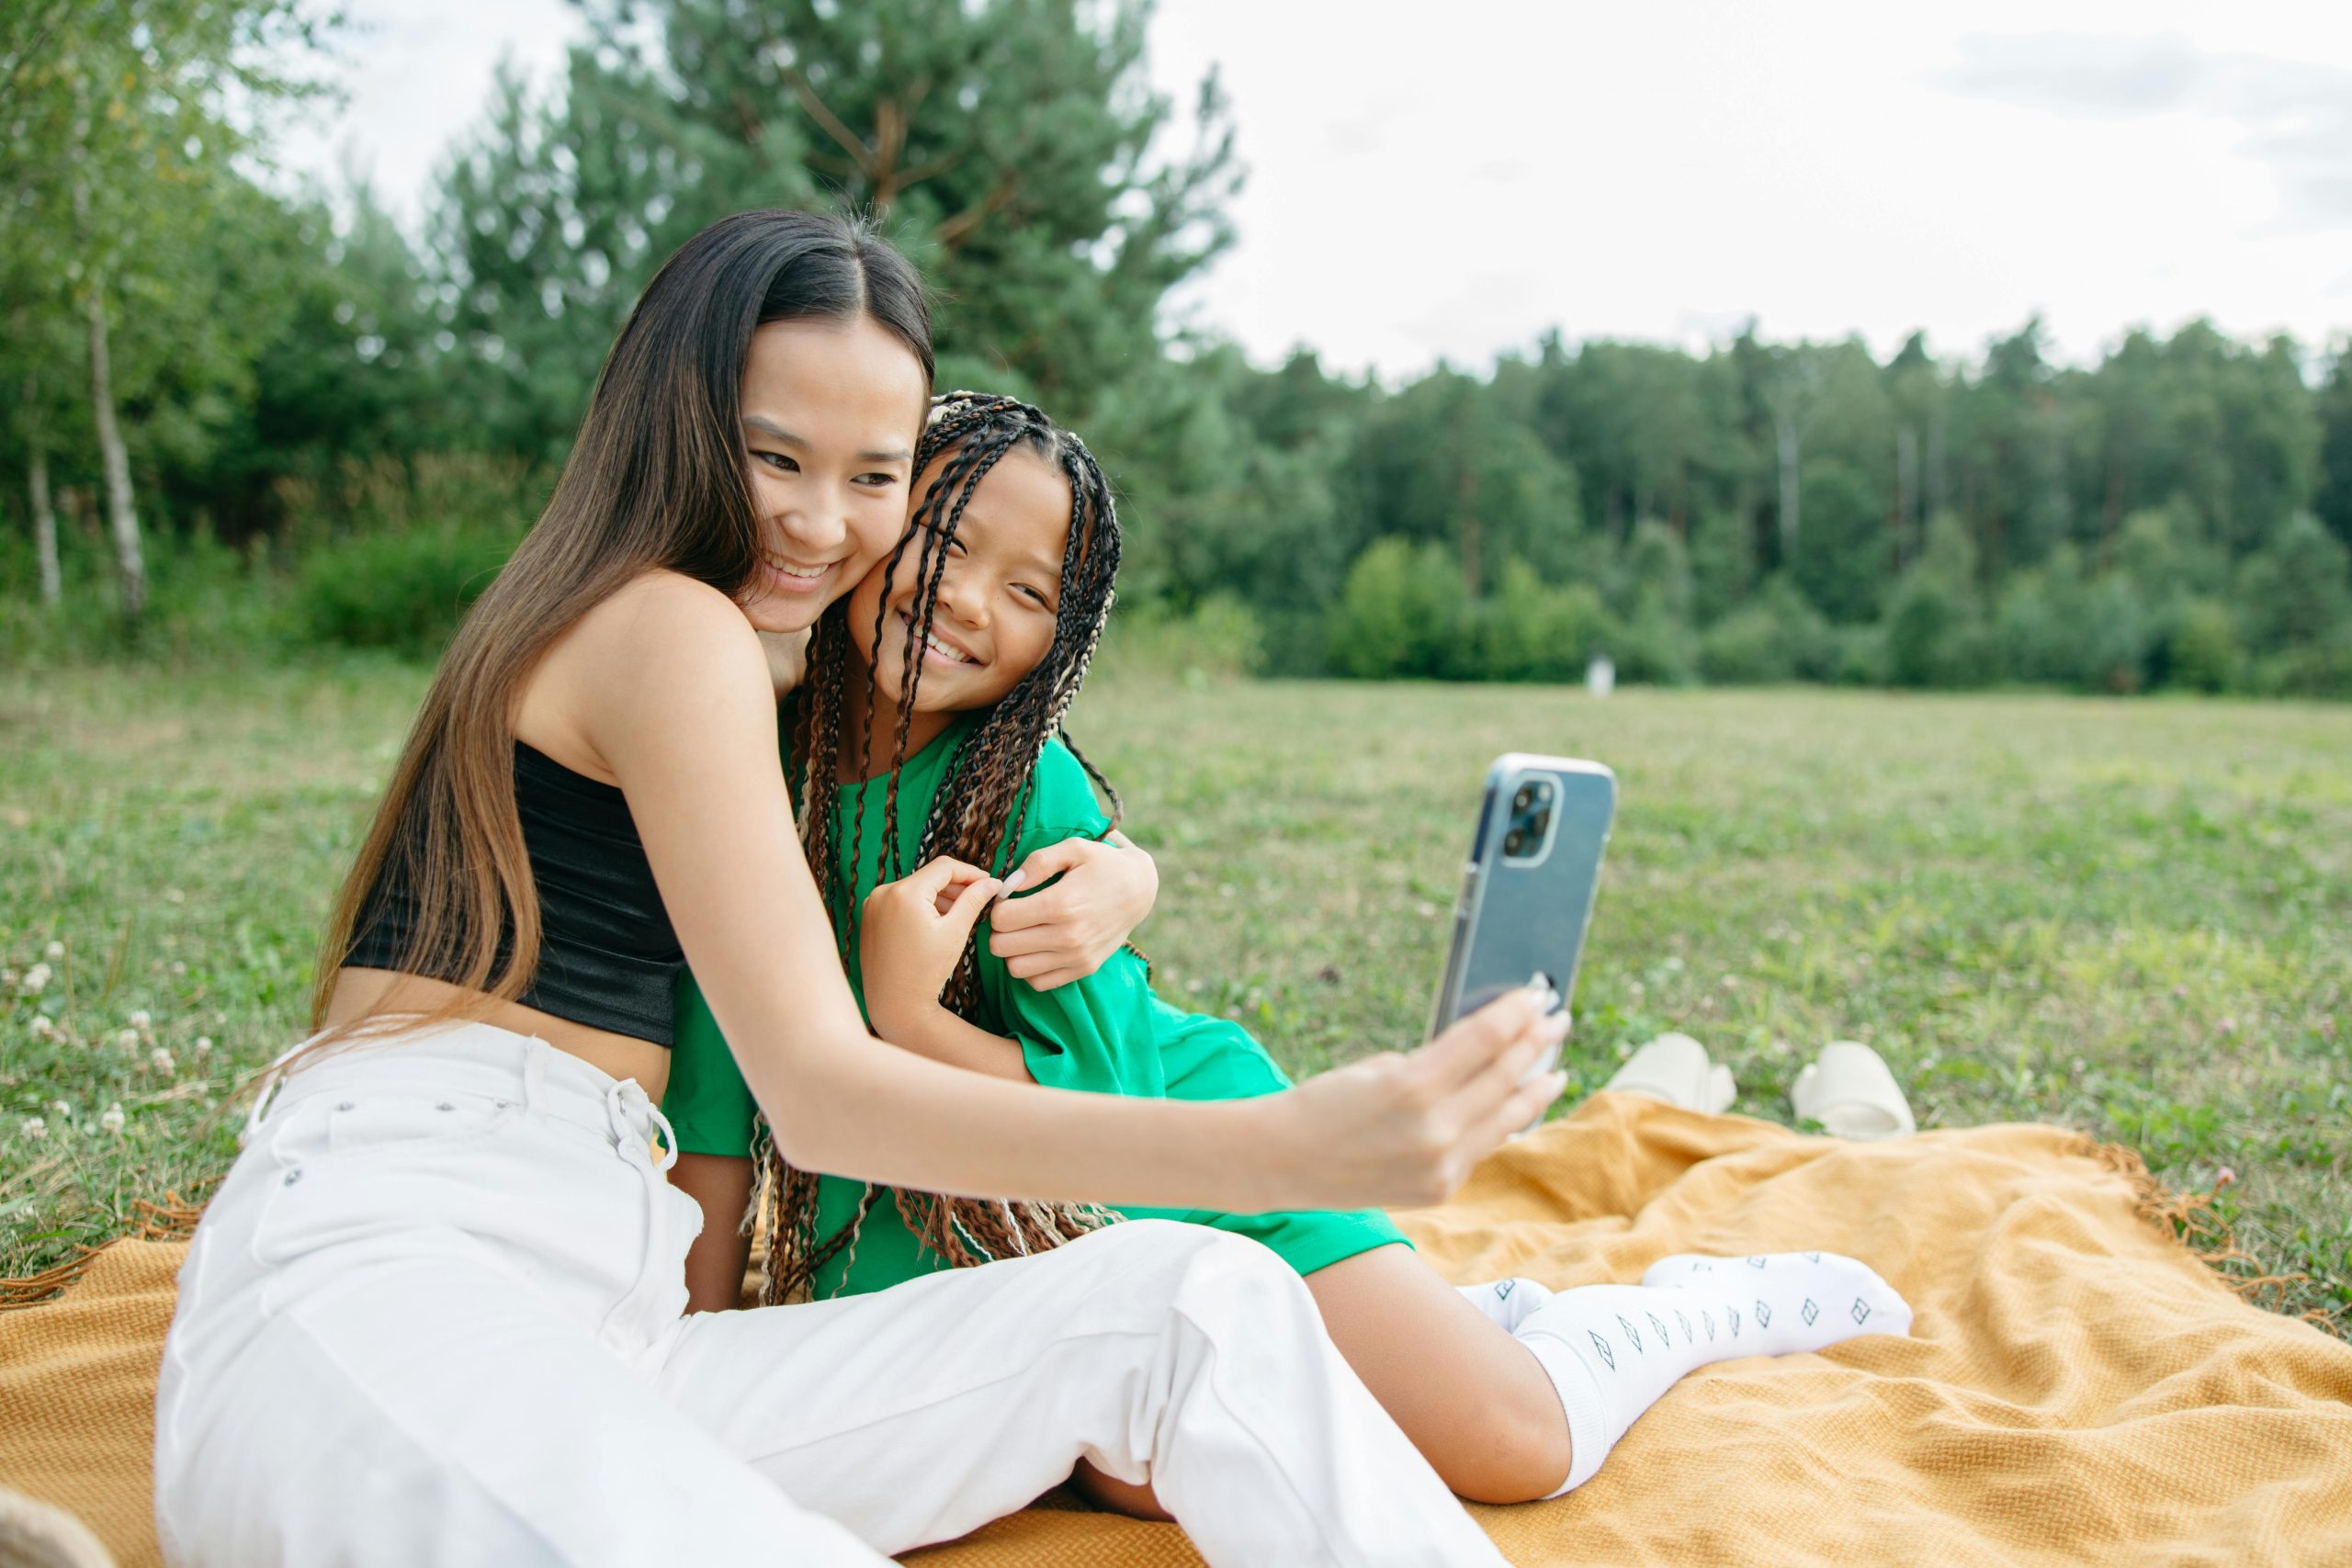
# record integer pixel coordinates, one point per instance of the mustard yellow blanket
(2079, 1389)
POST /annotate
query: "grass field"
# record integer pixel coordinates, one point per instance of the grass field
(2130, 917)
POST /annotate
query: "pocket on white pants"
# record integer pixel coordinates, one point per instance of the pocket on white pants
(345, 1167)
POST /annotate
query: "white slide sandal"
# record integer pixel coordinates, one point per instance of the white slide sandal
(1848, 1090)
(1677, 1070)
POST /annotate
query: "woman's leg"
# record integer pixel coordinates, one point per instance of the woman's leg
(1164, 1353)
(413, 1325)
(437, 1410)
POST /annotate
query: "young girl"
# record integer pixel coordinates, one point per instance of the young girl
(434, 1314)
(951, 667)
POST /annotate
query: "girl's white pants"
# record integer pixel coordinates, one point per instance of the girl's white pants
(434, 1317)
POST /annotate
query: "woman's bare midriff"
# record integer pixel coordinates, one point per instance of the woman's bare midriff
(361, 993)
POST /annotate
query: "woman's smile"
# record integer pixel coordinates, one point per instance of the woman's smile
(781, 576)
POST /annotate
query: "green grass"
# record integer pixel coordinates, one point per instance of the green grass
(2129, 917)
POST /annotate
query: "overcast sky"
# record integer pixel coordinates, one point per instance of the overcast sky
(1451, 180)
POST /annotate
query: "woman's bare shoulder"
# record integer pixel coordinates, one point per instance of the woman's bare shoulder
(660, 622)
(666, 602)
(657, 640)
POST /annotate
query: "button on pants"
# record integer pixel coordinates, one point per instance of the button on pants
(434, 1317)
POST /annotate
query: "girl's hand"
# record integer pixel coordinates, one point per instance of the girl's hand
(1068, 931)
(1404, 1130)
(911, 934)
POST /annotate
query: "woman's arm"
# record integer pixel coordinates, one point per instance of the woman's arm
(666, 682)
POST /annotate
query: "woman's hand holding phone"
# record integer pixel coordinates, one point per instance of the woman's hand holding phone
(1403, 1130)
(1396, 1129)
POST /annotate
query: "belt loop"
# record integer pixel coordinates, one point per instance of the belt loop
(634, 1117)
(617, 1118)
(535, 1073)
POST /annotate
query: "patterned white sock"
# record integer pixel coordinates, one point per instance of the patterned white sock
(1613, 1350)
(1506, 1302)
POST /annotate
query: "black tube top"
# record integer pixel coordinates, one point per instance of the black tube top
(608, 957)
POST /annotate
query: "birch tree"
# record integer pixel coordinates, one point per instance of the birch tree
(118, 116)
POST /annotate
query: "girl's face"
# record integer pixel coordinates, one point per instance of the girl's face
(997, 598)
(831, 410)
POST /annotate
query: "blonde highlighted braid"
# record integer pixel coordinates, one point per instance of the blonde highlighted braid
(977, 814)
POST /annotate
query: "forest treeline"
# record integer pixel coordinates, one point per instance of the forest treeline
(237, 416)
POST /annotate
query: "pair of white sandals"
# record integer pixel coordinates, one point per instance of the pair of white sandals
(1848, 1089)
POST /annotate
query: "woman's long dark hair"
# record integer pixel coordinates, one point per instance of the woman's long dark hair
(655, 480)
(982, 800)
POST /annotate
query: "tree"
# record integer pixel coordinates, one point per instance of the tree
(1916, 397)
(119, 123)
(2334, 407)
(2015, 495)
(1011, 147)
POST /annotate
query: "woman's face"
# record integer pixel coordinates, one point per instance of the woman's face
(831, 410)
(998, 598)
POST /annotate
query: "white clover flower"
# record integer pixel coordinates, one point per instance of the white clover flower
(112, 1120)
(161, 1062)
(55, 950)
(127, 1040)
(42, 1028)
(36, 979)
(62, 1109)
(204, 1045)
(178, 968)
(173, 895)
(33, 1127)
(142, 1019)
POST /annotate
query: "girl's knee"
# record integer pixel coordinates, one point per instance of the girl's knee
(1516, 1453)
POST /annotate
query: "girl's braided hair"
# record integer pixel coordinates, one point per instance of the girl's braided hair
(977, 814)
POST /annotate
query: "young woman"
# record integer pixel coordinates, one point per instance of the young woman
(434, 1312)
(952, 666)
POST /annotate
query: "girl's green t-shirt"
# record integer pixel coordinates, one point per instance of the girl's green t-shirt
(1105, 1034)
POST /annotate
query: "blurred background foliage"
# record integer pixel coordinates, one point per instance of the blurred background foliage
(240, 421)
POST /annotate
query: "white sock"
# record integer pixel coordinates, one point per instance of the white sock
(1611, 1351)
(1506, 1302)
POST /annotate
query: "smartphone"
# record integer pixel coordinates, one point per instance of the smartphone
(1528, 888)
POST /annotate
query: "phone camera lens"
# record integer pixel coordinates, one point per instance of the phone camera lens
(1540, 821)
(1514, 841)
(1526, 794)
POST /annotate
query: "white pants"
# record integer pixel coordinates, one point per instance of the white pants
(433, 1316)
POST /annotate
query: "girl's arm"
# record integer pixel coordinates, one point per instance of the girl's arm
(1093, 1030)
(904, 932)
(942, 1037)
(666, 682)
(716, 1262)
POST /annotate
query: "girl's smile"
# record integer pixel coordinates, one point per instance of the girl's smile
(938, 650)
(999, 597)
